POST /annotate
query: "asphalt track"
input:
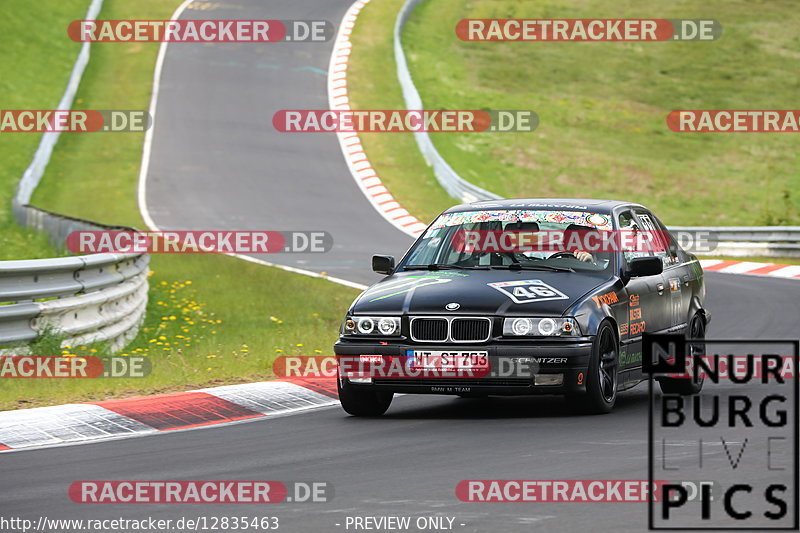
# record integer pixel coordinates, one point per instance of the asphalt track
(406, 463)
(216, 163)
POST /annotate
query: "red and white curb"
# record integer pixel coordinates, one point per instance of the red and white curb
(361, 169)
(751, 268)
(130, 417)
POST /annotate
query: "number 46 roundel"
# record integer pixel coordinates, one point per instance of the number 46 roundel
(528, 290)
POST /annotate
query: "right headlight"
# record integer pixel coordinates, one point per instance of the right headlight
(540, 327)
(380, 326)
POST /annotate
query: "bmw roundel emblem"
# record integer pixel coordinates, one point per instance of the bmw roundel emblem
(452, 306)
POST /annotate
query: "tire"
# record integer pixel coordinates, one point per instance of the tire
(362, 402)
(602, 377)
(687, 386)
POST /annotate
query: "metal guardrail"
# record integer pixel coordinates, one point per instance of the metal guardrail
(84, 299)
(766, 241)
(743, 241)
(455, 185)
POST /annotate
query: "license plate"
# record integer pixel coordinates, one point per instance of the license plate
(442, 360)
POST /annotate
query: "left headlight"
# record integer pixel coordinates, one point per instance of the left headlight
(540, 327)
(372, 326)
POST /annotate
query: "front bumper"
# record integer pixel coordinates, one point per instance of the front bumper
(514, 367)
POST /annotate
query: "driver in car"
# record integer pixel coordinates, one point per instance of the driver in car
(580, 255)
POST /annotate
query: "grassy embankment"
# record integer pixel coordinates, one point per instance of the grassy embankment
(211, 320)
(602, 108)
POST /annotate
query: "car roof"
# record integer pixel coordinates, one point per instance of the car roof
(566, 204)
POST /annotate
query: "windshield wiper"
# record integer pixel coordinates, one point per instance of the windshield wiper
(443, 266)
(518, 266)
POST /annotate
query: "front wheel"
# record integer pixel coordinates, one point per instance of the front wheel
(601, 376)
(362, 402)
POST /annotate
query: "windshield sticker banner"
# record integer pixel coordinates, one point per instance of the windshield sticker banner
(527, 291)
(581, 218)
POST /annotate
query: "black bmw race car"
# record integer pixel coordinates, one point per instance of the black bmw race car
(518, 297)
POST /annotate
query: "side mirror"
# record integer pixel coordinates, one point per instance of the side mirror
(383, 264)
(645, 266)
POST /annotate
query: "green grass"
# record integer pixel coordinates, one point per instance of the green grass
(602, 108)
(36, 61)
(95, 176)
(239, 348)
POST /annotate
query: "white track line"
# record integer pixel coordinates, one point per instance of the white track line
(147, 146)
(148, 135)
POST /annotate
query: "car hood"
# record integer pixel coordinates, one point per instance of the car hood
(493, 292)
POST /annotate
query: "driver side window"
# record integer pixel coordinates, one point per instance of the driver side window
(627, 223)
(659, 237)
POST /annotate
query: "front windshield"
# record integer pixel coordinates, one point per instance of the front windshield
(513, 239)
